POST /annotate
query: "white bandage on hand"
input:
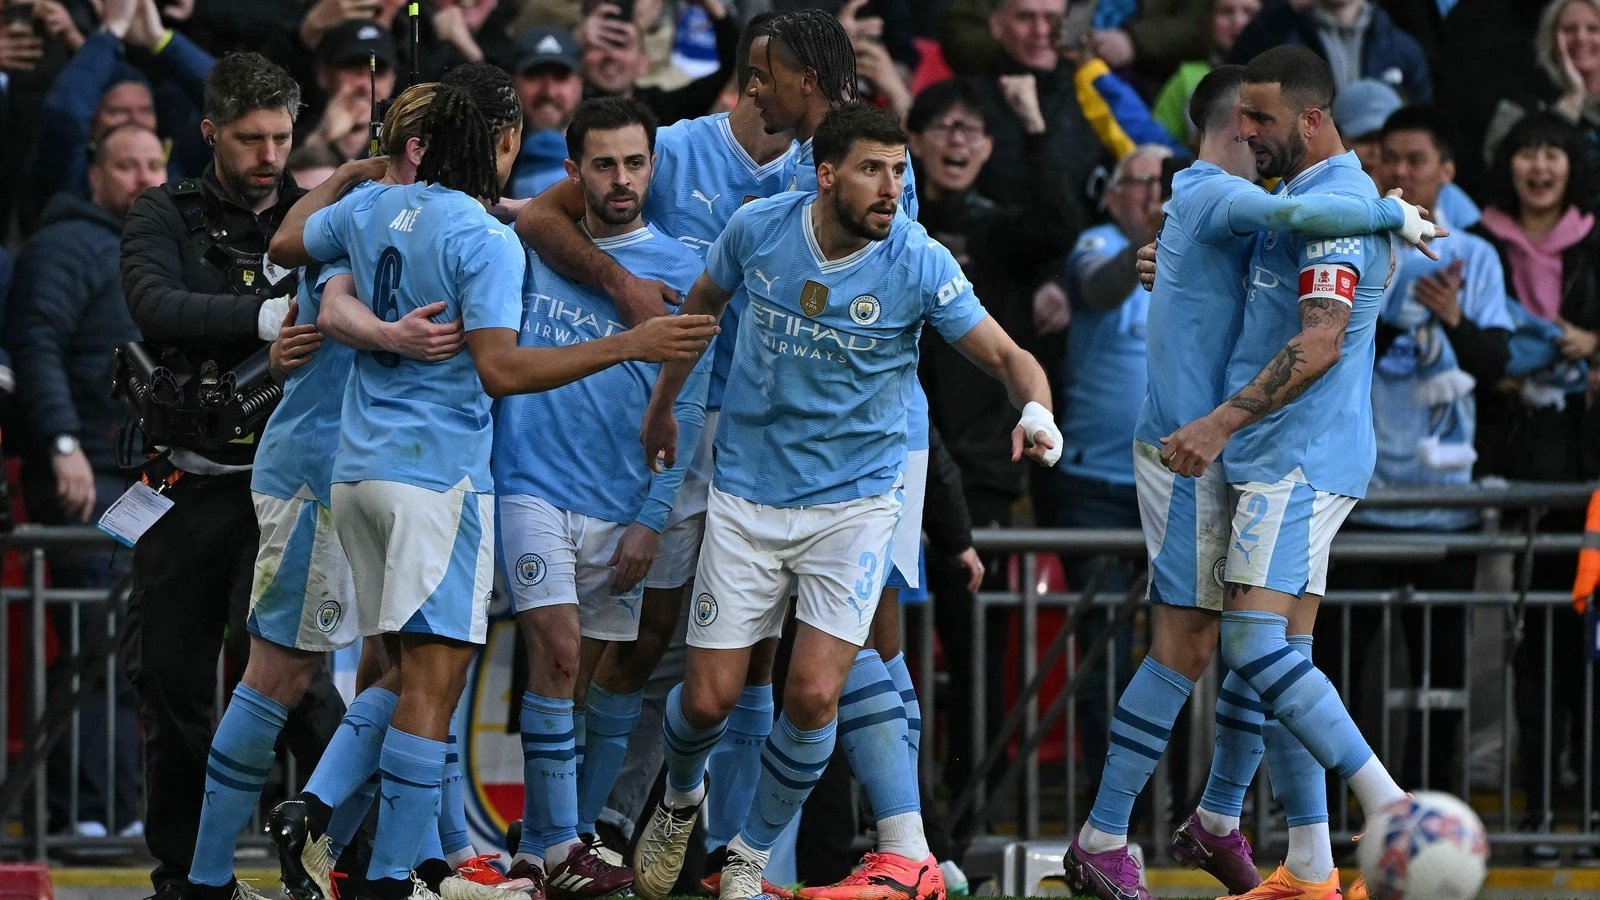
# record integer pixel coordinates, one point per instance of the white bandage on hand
(270, 317)
(1035, 418)
(1415, 228)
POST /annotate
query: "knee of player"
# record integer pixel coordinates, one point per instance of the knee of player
(1237, 646)
(810, 702)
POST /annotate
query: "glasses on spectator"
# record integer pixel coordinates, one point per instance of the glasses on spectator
(962, 128)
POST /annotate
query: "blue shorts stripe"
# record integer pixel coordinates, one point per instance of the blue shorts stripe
(449, 610)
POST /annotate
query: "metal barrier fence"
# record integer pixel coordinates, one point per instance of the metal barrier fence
(1498, 548)
(49, 698)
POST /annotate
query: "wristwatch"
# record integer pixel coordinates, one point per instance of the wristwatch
(64, 445)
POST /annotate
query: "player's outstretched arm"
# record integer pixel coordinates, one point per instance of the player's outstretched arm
(1332, 215)
(989, 348)
(659, 434)
(549, 224)
(1291, 372)
(506, 368)
(288, 247)
(347, 320)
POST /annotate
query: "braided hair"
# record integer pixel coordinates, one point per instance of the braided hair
(813, 39)
(491, 91)
(461, 146)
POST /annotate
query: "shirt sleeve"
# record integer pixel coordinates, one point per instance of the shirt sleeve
(1483, 289)
(1351, 251)
(326, 228)
(725, 260)
(952, 306)
(690, 411)
(1252, 210)
(490, 279)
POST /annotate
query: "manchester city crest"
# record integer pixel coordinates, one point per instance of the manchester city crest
(864, 309)
(705, 609)
(530, 569)
(328, 615)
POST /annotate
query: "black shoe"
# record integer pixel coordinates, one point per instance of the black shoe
(513, 836)
(289, 830)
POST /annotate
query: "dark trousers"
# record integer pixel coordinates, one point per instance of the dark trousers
(191, 589)
(1446, 661)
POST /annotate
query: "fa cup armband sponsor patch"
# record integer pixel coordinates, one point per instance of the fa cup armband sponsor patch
(1329, 282)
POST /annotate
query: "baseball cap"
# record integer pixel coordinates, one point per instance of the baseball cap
(545, 47)
(1363, 106)
(352, 41)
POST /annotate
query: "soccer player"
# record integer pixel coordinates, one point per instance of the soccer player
(1195, 308)
(580, 521)
(705, 169)
(811, 449)
(303, 600)
(1298, 434)
(412, 498)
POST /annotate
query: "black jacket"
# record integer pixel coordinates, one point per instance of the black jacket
(180, 289)
(1544, 444)
(67, 314)
(1028, 170)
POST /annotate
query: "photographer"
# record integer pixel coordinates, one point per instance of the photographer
(202, 293)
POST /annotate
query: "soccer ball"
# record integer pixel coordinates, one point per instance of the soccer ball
(1429, 846)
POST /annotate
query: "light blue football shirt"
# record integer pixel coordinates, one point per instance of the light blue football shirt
(702, 175)
(577, 446)
(816, 403)
(805, 179)
(423, 424)
(1324, 437)
(1104, 367)
(1197, 305)
(302, 436)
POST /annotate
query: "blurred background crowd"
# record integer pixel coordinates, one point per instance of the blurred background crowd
(1043, 132)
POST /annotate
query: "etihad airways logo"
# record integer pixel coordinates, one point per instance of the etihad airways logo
(786, 334)
(564, 322)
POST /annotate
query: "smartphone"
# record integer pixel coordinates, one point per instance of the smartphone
(624, 7)
(19, 12)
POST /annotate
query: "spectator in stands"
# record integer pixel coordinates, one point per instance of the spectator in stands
(1356, 37)
(1541, 424)
(344, 75)
(613, 59)
(1445, 326)
(1002, 248)
(548, 82)
(1227, 20)
(1361, 107)
(312, 164)
(883, 80)
(1152, 37)
(1030, 64)
(1567, 47)
(67, 314)
(98, 90)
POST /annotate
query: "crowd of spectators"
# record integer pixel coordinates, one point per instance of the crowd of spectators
(1042, 135)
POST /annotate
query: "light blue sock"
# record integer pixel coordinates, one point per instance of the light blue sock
(1254, 644)
(1140, 729)
(609, 720)
(791, 763)
(236, 771)
(352, 754)
(412, 768)
(549, 772)
(686, 746)
(1298, 782)
(580, 736)
(348, 816)
(453, 835)
(872, 728)
(735, 764)
(901, 676)
(429, 848)
(1238, 749)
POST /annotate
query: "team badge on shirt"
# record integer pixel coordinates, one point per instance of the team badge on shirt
(813, 298)
(864, 309)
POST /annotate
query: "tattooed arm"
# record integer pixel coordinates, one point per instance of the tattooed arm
(1291, 372)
